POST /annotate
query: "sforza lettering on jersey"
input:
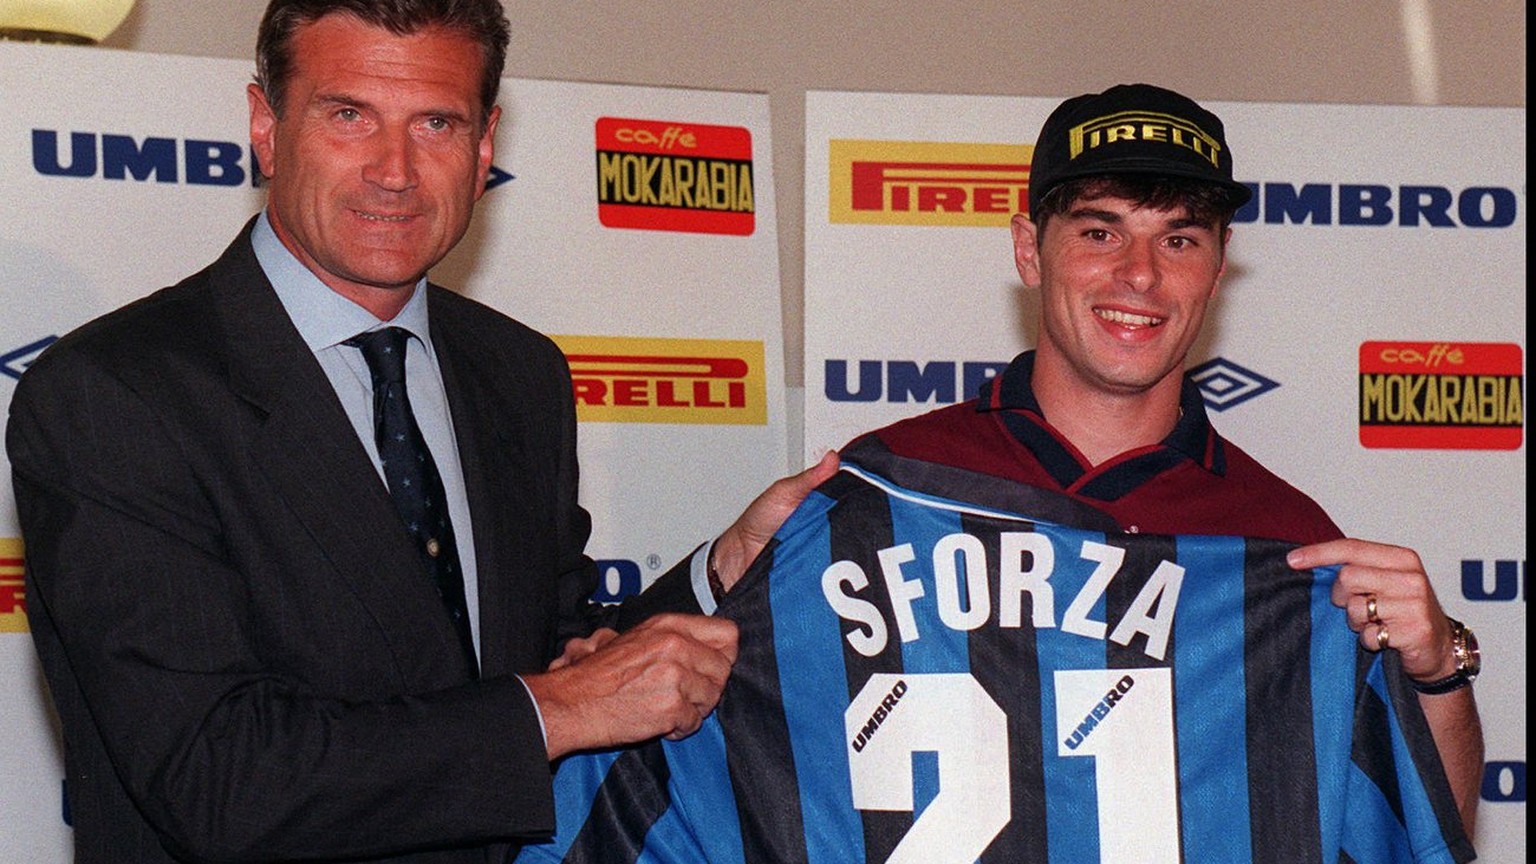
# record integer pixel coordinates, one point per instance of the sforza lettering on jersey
(1100, 710)
(965, 598)
(877, 717)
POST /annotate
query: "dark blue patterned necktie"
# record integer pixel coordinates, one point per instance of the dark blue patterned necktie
(411, 474)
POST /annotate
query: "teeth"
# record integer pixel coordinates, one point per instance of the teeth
(372, 217)
(1127, 318)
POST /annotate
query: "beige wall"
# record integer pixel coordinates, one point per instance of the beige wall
(1448, 52)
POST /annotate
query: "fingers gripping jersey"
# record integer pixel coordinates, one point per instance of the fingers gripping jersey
(923, 680)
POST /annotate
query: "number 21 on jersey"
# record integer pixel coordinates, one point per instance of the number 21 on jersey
(1122, 718)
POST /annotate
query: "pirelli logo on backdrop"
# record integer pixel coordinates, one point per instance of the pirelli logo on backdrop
(625, 379)
(668, 176)
(13, 595)
(927, 183)
(1442, 395)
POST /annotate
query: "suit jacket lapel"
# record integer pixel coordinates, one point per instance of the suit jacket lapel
(308, 449)
(485, 401)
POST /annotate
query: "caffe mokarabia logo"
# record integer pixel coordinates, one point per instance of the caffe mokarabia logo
(669, 176)
(1442, 395)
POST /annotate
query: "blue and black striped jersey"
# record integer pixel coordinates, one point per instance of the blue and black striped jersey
(922, 679)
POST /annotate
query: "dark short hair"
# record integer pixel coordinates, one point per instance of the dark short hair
(482, 20)
(1206, 202)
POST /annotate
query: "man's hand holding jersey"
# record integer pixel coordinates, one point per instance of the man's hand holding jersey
(1390, 603)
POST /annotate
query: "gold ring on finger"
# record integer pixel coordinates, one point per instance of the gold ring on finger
(1382, 638)
(1370, 609)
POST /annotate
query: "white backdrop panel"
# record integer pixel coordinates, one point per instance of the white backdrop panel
(655, 489)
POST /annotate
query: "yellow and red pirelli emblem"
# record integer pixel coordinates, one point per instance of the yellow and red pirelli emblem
(625, 379)
(1442, 395)
(670, 176)
(13, 595)
(927, 183)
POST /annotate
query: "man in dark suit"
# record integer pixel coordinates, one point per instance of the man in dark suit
(251, 655)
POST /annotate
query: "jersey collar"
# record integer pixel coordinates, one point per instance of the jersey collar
(1193, 438)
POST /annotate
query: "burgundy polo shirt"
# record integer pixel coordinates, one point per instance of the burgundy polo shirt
(1192, 482)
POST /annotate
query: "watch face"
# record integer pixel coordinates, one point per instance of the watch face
(1464, 646)
(1474, 658)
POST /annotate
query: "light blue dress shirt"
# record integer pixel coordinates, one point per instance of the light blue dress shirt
(324, 320)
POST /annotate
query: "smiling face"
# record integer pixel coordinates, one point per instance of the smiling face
(379, 157)
(1123, 292)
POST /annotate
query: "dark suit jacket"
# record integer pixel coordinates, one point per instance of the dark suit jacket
(246, 660)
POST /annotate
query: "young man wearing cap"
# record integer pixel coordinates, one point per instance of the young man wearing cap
(1130, 201)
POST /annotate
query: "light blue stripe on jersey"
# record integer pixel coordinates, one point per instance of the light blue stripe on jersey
(575, 790)
(1421, 824)
(1071, 798)
(937, 648)
(707, 799)
(1370, 813)
(814, 691)
(1372, 834)
(1208, 635)
(1333, 647)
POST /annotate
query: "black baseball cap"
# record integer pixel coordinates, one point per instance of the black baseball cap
(1131, 129)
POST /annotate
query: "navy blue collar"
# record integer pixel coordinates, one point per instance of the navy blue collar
(1192, 439)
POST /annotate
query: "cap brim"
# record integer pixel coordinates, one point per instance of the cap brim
(1160, 167)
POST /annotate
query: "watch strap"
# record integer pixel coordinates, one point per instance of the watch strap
(1449, 684)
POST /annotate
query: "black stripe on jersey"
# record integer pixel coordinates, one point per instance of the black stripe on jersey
(1005, 661)
(1277, 618)
(857, 533)
(1421, 744)
(1143, 554)
(632, 797)
(758, 751)
(958, 484)
(1372, 750)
